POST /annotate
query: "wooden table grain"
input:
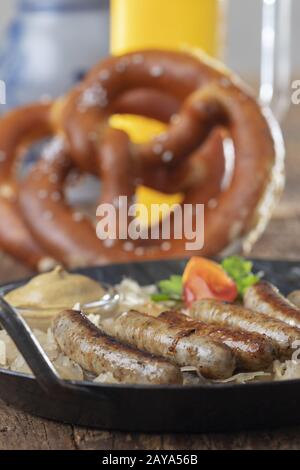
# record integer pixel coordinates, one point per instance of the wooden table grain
(281, 240)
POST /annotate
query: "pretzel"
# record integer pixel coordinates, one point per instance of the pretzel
(19, 129)
(219, 149)
(67, 235)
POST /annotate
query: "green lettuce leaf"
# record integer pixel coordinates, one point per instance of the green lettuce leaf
(169, 289)
(240, 270)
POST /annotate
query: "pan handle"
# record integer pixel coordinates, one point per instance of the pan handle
(36, 358)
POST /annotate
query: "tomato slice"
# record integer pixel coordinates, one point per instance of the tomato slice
(206, 279)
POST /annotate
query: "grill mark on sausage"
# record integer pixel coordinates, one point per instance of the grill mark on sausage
(178, 344)
(252, 351)
(266, 299)
(240, 318)
(97, 352)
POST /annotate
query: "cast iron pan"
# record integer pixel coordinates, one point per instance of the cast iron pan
(201, 408)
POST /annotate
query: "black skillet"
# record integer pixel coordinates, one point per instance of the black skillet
(200, 408)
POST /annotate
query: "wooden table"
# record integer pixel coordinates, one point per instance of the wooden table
(281, 240)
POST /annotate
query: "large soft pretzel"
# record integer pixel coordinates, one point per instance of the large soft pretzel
(214, 115)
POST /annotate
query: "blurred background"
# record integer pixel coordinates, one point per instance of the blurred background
(244, 32)
(91, 32)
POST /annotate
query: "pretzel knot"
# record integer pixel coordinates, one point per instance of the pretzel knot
(219, 149)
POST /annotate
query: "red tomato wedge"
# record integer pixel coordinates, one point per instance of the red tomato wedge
(206, 279)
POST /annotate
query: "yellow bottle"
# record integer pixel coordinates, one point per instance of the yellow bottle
(142, 24)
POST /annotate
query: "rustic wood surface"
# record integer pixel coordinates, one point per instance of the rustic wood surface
(281, 240)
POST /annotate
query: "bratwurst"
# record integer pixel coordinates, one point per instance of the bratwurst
(266, 298)
(252, 352)
(239, 318)
(96, 352)
(179, 344)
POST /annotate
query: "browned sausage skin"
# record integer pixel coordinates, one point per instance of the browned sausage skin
(178, 344)
(240, 318)
(252, 352)
(266, 298)
(96, 352)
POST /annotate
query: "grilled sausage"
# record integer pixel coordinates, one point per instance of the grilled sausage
(240, 318)
(252, 352)
(96, 352)
(178, 344)
(266, 298)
